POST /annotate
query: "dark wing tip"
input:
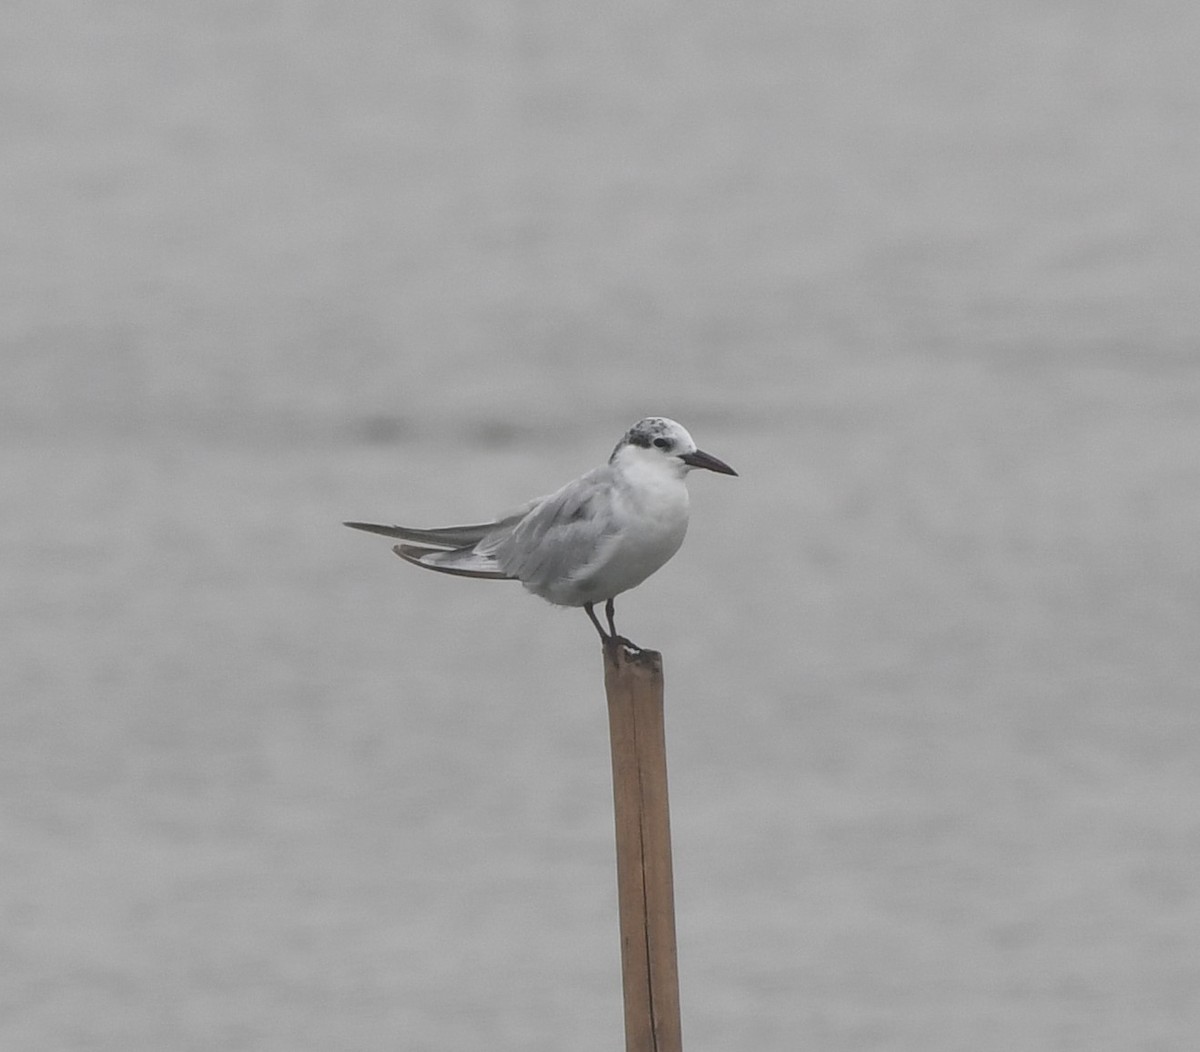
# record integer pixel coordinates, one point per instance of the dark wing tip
(375, 527)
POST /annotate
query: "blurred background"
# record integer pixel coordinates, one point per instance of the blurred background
(924, 273)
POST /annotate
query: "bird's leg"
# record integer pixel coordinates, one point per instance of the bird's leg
(589, 609)
(609, 611)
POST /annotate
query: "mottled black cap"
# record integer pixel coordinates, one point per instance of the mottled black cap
(644, 432)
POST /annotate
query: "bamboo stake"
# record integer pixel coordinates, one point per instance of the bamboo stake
(633, 681)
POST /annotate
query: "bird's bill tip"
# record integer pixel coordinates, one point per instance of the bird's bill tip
(699, 459)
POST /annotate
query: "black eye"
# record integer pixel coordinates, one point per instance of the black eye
(663, 443)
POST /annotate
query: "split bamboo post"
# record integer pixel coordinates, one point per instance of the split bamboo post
(633, 681)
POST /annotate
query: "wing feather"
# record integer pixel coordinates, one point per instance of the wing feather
(561, 536)
(442, 537)
(464, 562)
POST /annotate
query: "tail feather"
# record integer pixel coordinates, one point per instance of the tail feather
(463, 562)
(442, 537)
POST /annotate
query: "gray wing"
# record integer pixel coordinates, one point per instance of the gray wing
(463, 562)
(442, 537)
(468, 551)
(561, 535)
(448, 536)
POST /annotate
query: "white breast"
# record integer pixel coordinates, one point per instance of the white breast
(651, 505)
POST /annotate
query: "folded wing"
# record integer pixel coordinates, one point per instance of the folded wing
(562, 536)
(468, 551)
(546, 544)
(463, 562)
(442, 537)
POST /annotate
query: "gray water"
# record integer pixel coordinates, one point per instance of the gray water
(924, 273)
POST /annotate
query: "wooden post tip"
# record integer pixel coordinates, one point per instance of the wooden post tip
(619, 654)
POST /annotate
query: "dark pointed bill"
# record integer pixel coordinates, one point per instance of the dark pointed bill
(700, 459)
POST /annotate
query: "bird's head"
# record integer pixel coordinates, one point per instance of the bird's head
(659, 440)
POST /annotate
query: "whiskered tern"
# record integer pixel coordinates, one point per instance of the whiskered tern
(595, 538)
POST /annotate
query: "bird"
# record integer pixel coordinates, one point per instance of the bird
(586, 543)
